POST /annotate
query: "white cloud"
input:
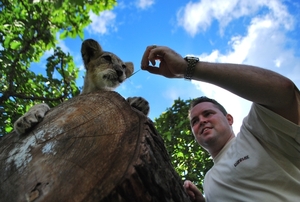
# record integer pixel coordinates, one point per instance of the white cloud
(198, 16)
(143, 4)
(172, 93)
(103, 23)
(265, 44)
(81, 67)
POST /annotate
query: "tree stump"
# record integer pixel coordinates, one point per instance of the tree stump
(94, 147)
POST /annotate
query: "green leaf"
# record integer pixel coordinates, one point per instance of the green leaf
(7, 41)
(81, 34)
(15, 44)
(8, 128)
(168, 135)
(63, 35)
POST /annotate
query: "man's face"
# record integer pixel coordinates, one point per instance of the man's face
(211, 128)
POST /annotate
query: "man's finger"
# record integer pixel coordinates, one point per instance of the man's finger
(145, 58)
(151, 69)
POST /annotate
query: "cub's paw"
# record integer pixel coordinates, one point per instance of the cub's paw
(140, 104)
(31, 118)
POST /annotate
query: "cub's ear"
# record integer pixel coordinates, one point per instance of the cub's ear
(129, 69)
(90, 50)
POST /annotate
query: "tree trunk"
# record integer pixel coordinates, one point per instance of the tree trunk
(94, 147)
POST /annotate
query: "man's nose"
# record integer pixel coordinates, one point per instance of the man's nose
(203, 120)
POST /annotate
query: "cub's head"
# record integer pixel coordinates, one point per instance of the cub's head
(104, 70)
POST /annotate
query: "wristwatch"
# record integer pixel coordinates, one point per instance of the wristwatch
(192, 61)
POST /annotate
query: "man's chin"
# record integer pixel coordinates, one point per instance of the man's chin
(208, 139)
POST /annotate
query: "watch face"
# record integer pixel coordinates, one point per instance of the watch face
(191, 58)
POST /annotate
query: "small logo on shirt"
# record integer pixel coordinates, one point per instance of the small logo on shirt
(240, 160)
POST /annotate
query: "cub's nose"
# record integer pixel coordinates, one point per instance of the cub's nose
(119, 70)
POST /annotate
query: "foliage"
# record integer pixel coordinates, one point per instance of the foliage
(188, 158)
(29, 28)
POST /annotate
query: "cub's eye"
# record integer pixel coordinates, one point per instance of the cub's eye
(107, 58)
(124, 66)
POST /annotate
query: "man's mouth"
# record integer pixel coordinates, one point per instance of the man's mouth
(204, 130)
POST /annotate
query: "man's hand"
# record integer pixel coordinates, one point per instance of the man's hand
(193, 192)
(172, 65)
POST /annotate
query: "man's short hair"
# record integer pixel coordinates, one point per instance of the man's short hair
(206, 99)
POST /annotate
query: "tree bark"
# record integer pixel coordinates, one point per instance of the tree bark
(94, 147)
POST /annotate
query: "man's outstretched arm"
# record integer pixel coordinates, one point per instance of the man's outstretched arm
(256, 84)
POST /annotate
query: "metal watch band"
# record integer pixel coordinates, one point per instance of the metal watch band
(192, 61)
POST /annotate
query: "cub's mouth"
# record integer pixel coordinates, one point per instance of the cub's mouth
(113, 78)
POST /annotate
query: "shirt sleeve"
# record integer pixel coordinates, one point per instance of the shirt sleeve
(274, 130)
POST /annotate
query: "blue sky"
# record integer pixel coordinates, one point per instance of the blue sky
(263, 33)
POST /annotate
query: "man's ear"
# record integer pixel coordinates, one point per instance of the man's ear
(129, 69)
(90, 49)
(229, 119)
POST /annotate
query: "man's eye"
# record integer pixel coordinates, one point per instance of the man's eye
(193, 122)
(207, 114)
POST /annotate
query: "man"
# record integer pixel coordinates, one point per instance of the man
(261, 163)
